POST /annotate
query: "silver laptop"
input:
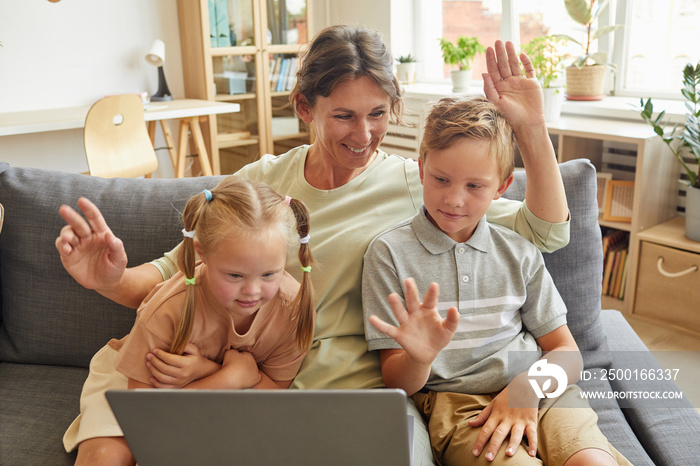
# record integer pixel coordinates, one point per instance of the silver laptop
(264, 427)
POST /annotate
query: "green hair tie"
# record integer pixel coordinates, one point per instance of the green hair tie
(306, 269)
(189, 281)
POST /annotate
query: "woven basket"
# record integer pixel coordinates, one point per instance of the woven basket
(585, 83)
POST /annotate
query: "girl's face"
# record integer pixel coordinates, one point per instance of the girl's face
(243, 274)
(350, 123)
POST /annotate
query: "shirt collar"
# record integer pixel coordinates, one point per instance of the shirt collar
(437, 242)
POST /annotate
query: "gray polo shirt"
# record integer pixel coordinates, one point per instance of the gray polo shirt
(497, 280)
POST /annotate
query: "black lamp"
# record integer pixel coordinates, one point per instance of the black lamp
(156, 57)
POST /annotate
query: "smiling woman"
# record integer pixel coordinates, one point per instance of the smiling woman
(355, 119)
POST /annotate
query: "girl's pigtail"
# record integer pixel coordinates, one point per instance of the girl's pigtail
(304, 302)
(186, 262)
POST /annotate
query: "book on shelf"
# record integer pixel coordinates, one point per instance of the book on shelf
(615, 252)
(283, 73)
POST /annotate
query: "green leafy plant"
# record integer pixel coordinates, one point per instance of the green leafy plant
(406, 59)
(462, 52)
(546, 57)
(586, 13)
(689, 137)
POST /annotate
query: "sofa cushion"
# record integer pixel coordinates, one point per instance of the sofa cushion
(663, 426)
(37, 403)
(577, 269)
(44, 318)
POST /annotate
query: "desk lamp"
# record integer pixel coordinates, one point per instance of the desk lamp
(156, 57)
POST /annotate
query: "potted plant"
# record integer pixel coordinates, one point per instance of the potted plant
(461, 54)
(406, 69)
(547, 59)
(585, 76)
(682, 142)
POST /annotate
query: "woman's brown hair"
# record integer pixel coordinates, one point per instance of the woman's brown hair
(339, 53)
(248, 208)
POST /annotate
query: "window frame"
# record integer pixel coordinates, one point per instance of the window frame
(617, 12)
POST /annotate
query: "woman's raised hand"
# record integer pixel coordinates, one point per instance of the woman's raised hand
(518, 97)
(89, 251)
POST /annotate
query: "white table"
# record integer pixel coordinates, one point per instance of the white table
(188, 111)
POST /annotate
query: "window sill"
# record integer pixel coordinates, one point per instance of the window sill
(613, 107)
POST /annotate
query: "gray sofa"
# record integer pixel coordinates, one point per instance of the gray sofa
(51, 326)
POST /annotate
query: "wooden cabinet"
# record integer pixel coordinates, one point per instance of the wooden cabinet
(233, 51)
(630, 150)
(669, 271)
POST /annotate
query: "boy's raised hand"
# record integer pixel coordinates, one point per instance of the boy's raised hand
(422, 332)
(89, 251)
(518, 97)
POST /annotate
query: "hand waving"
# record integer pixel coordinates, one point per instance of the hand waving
(89, 251)
(518, 97)
(421, 332)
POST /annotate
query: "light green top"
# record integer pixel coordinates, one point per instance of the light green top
(343, 222)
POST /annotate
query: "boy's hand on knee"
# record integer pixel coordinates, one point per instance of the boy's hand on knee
(500, 421)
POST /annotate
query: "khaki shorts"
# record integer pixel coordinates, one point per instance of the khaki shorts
(561, 431)
(96, 418)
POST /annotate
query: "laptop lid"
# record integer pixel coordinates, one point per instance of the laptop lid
(264, 427)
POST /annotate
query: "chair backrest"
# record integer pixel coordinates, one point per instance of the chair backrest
(116, 139)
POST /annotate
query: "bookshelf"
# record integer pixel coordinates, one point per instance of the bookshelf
(234, 51)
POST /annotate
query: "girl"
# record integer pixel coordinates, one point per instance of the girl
(246, 315)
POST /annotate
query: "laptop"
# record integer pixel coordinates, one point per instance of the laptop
(264, 427)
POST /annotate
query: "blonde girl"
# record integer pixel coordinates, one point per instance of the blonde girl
(232, 301)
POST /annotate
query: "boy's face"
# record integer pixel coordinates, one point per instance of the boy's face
(459, 184)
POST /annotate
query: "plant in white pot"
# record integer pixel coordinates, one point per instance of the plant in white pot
(406, 69)
(546, 56)
(461, 54)
(684, 141)
(585, 77)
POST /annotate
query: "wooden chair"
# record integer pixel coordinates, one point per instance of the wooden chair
(116, 139)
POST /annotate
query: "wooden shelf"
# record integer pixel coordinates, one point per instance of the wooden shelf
(201, 62)
(234, 97)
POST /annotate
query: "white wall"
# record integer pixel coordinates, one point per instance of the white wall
(72, 53)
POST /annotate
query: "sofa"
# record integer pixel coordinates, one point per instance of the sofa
(50, 326)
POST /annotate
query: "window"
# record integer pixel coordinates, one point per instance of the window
(659, 39)
(648, 63)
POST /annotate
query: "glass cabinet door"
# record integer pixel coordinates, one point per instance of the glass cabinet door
(286, 22)
(238, 135)
(231, 23)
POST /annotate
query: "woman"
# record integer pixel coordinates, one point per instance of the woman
(345, 88)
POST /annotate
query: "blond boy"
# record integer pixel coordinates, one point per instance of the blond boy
(463, 354)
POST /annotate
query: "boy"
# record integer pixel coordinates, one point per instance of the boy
(467, 367)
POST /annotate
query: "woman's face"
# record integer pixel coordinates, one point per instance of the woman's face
(350, 123)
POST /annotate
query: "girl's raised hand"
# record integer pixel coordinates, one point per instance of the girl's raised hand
(422, 332)
(518, 97)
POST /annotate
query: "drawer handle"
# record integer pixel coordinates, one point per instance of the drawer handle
(660, 263)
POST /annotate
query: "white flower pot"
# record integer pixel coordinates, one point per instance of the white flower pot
(460, 80)
(553, 99)
(406, 72)
(692, 213)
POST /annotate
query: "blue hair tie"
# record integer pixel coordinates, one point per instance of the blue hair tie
(208, 195)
